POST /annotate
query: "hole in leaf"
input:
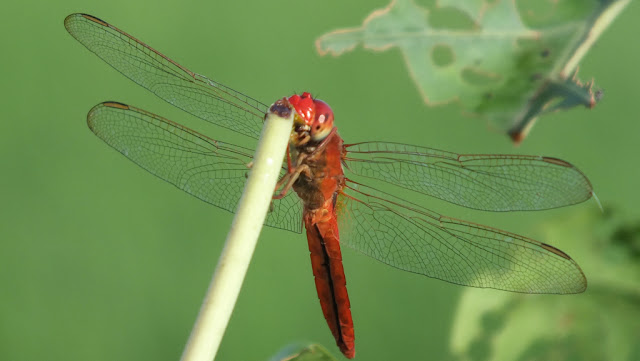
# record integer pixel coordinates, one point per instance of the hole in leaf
(480, 78)
(442, 55)
(450, 18)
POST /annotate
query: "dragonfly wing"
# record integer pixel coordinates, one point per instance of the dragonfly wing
(167, 79)
(486, 182)
(409, 237)
(212, 171)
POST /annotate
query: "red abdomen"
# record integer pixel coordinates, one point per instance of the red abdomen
(331, 284)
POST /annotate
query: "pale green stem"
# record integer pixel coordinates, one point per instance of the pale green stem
(241, 241)
(603, 21)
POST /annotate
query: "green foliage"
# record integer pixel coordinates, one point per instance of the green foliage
(601, 324)
(506, 61)
(313, 352)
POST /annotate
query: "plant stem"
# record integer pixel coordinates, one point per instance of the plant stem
(596, 27)
(243, 236)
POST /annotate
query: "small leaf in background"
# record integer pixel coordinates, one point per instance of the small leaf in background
(313, 352)
(506, 61)
(600, 324)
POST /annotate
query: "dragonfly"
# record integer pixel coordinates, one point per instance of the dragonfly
(326, 184)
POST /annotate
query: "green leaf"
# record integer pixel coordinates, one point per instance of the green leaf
(313, 352)
(505, 61)
(600, 324)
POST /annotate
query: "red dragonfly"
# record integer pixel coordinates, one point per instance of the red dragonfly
(326, 176)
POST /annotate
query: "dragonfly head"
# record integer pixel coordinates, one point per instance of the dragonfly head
(313, 119)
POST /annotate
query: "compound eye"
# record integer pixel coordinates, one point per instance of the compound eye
(324, 114)
(323, 122)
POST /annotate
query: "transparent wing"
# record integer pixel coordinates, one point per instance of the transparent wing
(490, 182)
(212, 171)
(167, 79)
(414, 239)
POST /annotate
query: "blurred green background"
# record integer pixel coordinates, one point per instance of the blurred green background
(101, 261)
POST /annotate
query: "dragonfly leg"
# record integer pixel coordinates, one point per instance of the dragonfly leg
(249, 166)
(291, 178)
(290, 169)
(289, 165)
